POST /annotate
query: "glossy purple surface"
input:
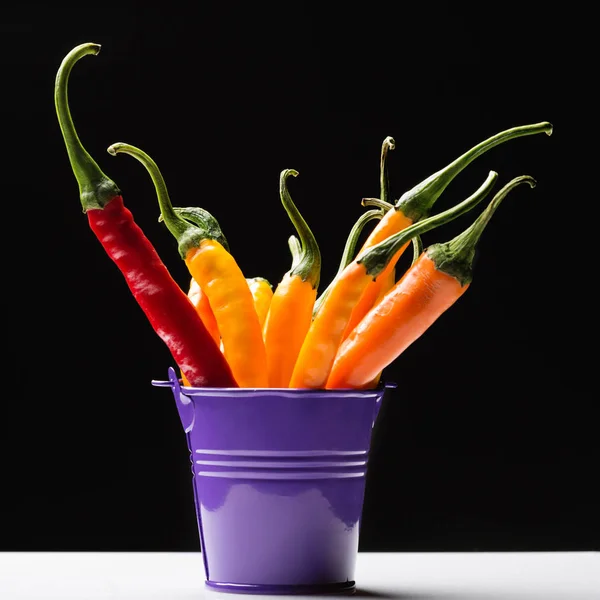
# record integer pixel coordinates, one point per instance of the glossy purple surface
(279, 482)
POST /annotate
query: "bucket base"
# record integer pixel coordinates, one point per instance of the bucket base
(346, 587)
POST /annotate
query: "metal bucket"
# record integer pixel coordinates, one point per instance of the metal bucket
(279, 482)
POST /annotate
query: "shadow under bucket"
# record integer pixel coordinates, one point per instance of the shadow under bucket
(279, 482)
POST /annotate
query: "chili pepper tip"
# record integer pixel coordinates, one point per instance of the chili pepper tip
(113, 149)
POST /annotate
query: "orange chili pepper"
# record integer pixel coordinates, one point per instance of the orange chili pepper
(262, 293)
(290, 312)
(387, 286)
(325, 334)
(200, 301)
(388, 277)
(382, 203)
(220, 278)
(433, 283)
(202, 305)
(418, 202)
(349, 249)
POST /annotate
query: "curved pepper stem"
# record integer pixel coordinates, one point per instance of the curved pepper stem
(96, 190)
(384, 182)
(455, 257)
(417, 248)
(376, 259)
(417, 203)
(308, 267)
(384, 206)
(188, 235)
(349, 250)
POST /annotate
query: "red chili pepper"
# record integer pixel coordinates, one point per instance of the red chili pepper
(166, 305)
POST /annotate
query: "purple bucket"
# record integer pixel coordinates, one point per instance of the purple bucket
(279, 482)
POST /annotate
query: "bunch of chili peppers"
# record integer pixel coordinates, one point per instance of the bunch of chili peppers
(227, 330)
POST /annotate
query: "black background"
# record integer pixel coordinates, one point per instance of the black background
(488, 443)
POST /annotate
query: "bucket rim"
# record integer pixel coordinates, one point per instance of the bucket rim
(279, 391)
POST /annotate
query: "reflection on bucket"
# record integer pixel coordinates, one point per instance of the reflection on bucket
(279, 482)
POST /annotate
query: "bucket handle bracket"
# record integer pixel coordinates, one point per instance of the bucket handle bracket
(185, 405)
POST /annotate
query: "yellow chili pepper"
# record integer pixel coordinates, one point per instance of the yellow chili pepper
(220, 278)
(262, 292)
(199, 299)
(290, 313)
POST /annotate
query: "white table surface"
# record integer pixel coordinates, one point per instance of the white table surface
(404, 576)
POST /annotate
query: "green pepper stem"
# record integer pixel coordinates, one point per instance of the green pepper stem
(376, 259)
(295, 249)
(188, 235)
(349, 250)
(384, 206)
(309, 264)
(417, 202)
(417, 248)
(352, 241)
(384, 183)
(455, 257)
(204, 220)
(95, 188)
